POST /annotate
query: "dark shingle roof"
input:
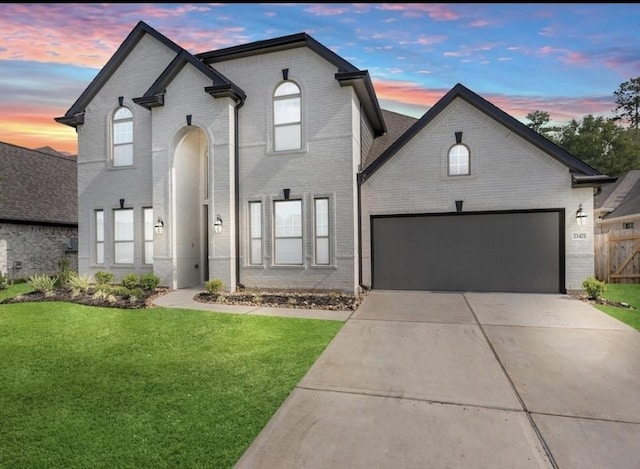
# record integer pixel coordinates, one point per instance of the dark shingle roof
(37, 186)
(397, 124)
(621, 198)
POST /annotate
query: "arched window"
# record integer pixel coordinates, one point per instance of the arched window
(459, 160)
(287, 126)
(122, 137)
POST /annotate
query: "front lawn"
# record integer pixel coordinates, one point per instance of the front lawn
(625, 293)
(95, 387)
(14, 290)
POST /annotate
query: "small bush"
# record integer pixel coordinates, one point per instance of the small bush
(42, 283)
(149, 281)
(138, 293)
(123, 292)
(214, 286)
(4, 282)
(63, 273)
(129, 281)
(79, 283)
(594, 287)
(103, 278)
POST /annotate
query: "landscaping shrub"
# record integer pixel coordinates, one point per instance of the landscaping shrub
(63, 273)
(149, 281)
(594, 287)
(79, 283)
(214, 286)
(129, 281)
(103, 278)
(4, 282)
(42, 283)
(124, 292)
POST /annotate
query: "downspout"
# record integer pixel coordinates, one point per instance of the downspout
(359, 182)
(236, 166)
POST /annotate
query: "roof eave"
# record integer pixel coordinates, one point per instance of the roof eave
(361, 82)
(72, 121)
(150, 101)
(591, 180)
(225, 91)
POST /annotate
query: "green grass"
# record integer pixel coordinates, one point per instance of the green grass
(626, 293)
(85, 387)
(14, 290)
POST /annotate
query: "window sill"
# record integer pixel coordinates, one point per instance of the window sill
(120, 168)
(288, 266)
(324, 267)
(299, 152)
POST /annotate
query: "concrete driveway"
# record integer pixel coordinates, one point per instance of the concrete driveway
(464, 380)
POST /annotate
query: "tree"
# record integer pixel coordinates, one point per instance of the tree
(539, 123)
(602, 144)
(628, 102)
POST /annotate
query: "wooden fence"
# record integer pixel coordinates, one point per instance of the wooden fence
(617, 256)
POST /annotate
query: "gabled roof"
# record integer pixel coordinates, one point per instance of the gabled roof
(154, 96)
(347, 74)
(75, 115)
(37, 187)
(586, 175)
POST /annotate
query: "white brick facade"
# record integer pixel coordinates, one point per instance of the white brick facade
(191, 132)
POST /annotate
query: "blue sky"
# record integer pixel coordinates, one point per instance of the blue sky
(566, 59)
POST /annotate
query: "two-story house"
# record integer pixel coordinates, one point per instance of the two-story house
(272, 165)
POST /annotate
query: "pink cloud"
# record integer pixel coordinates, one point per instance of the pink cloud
(321, 9)
(431, 40)
(561, 109)
(479, 23)
(439, 12)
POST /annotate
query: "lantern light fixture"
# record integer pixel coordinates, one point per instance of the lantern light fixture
(581, 216)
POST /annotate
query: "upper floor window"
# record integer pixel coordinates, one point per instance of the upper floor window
(459, 160)
(122, 137)
(287, 120)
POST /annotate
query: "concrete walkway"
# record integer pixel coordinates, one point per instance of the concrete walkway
(473, 380)
(183, 298)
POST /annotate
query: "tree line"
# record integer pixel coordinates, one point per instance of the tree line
(610, 145)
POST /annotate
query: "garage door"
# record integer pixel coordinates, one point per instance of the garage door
(498, 251)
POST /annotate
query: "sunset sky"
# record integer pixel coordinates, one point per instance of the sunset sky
(566, 59)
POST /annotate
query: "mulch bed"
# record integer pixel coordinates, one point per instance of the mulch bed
(603, 301)
(285, 299)
(87, 298)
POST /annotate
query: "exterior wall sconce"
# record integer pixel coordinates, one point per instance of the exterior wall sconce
(159, 226)
(581, 216)
(217, 225)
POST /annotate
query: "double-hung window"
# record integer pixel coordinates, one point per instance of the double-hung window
(99, 220)
(321, 206)
(148, 234)
(288, 232)
(122, 137)
(123, 236)
(255, 233)
(287, 117)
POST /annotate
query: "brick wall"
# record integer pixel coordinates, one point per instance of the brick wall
(37, 248)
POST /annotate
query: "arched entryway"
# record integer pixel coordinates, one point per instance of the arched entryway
(190, 208)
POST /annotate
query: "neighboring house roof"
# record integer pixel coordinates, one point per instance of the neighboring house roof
(51, 151)
(583, 173)
(621, 198)
(397, 124)
(37, 187)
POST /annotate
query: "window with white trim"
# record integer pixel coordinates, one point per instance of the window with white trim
(288, 232)
(459, 160)
(148, 231)
(123, 237)
(99, 218)
(321, 209)
(122, 137)
(255, 233)
(287, 117)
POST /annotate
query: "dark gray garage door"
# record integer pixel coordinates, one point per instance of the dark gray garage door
(501, 252)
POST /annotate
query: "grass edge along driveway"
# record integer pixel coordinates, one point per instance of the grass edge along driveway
(108, 388)
(627, 293)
